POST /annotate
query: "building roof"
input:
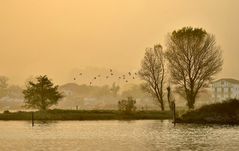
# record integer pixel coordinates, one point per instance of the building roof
(234, 81)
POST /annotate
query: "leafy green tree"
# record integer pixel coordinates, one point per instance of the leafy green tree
(41, 94)
(194, 59)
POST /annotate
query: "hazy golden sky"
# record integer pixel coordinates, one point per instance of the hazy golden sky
(54, 37)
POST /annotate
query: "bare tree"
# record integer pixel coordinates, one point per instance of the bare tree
(153, 73)
(194, 60)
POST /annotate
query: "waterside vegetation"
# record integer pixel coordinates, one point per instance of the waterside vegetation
(57, 114)
(226, 112)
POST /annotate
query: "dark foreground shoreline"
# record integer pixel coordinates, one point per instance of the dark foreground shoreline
(217, 122)
(226, 112)
(57, 114)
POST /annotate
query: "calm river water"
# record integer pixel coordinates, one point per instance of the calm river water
(145, 135)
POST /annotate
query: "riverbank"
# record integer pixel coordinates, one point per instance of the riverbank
(57, 114)
(226, 112)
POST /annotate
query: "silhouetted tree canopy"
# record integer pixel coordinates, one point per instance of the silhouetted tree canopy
(41, 94)
(153, 73)
(194, 59)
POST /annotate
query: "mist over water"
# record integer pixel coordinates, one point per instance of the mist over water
(138, 135)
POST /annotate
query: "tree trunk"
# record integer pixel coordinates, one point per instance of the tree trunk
(162, 106)
(43, 105)
(160, 100)
(169, 99)
(191, 101)
(161, 103)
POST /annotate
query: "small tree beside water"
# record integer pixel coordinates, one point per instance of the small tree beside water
(41, 94)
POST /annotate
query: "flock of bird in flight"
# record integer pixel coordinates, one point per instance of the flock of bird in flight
(124, 78)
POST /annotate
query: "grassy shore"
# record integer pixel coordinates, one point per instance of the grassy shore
(226, 112)
(57, 114)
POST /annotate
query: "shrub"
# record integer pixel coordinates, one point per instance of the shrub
(127, 105)
(221, 112)
(6, 112)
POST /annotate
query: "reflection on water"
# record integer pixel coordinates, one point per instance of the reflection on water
(116, 135)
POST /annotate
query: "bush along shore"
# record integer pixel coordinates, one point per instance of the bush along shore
(57, 114)
(226, 112)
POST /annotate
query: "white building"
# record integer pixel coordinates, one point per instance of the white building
(224, 89)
